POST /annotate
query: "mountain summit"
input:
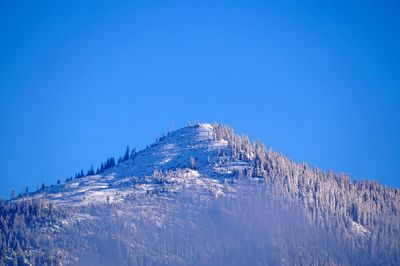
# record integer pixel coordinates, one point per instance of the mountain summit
(193, 150)
(196, 179)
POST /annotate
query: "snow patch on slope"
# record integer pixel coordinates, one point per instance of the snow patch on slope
(136, 176)
(359, 229)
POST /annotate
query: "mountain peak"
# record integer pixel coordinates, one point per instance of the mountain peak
(174, 150)
(190, 152)
(210, 161)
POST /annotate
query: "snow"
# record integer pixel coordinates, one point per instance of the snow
(174, 151)
(147, 183)
(134, 176)
(359, 229)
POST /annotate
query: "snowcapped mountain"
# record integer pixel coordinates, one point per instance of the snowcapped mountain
(170, 153)
(204, 195)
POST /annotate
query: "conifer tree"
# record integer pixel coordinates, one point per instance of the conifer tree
(126, 155)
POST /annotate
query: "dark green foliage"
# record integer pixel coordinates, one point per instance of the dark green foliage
(90, 171)
(133, 153)
(79, 174)
(126, 155)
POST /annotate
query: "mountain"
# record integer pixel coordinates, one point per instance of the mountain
(203, 195)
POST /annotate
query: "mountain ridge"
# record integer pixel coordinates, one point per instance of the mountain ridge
(212, 162)
(218, 153)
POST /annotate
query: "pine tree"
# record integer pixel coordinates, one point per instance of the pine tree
(133, 153)
(126, 155)
(90, 171)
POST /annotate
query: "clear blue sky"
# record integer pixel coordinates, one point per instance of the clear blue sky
(316, 80)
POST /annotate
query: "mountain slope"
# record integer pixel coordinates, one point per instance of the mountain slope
(170, 153)
(215, 169)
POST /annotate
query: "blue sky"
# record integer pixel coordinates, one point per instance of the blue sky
(316, 80)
